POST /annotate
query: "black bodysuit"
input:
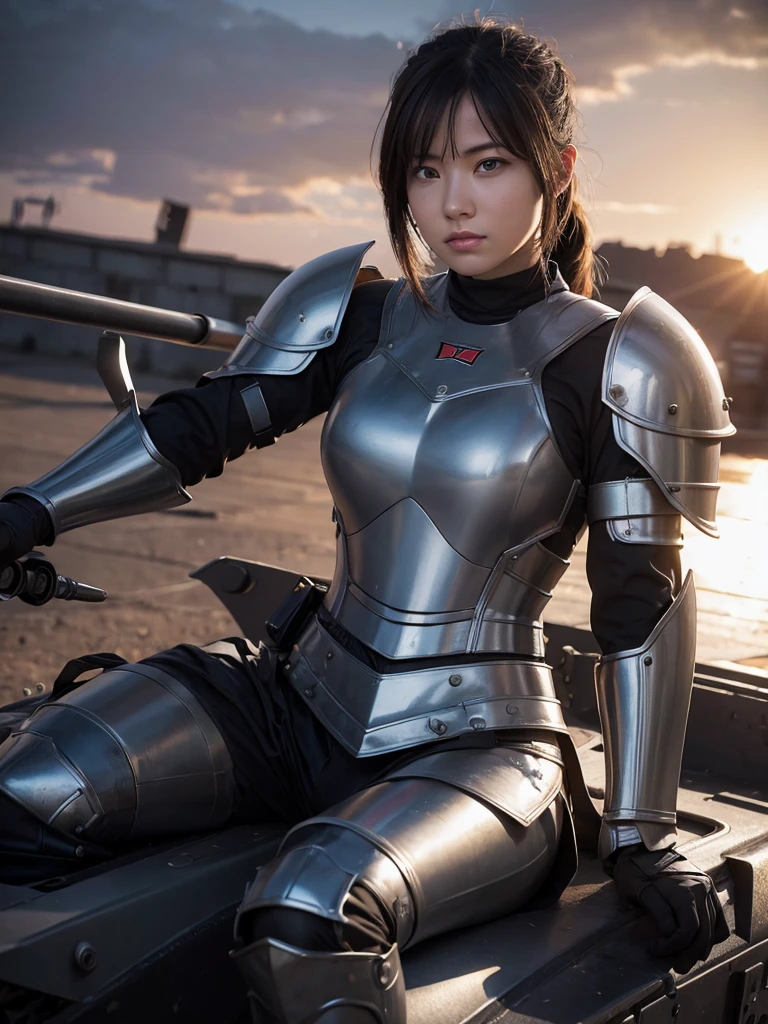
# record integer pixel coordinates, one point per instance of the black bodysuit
(200, 429)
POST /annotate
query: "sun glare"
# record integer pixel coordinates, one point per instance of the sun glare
(751, 244)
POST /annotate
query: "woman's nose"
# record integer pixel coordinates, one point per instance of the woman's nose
(457, 198)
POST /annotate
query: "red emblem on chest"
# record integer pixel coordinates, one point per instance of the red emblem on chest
(464, 355)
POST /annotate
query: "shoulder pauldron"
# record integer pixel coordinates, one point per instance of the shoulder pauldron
(669, 411)
(301, 316)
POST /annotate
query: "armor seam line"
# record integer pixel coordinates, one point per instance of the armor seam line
(460, 615)
(187, 699)
(409, 497)
(579, 333)
(89, 716)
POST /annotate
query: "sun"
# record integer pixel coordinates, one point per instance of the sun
(751, 244)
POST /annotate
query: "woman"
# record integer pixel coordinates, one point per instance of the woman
(477, 419)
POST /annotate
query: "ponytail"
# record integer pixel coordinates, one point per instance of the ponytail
(573, 250)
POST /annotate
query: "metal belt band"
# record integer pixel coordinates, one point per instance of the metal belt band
(372, 713)
(626, 499)
(258, 414)
(635, 512)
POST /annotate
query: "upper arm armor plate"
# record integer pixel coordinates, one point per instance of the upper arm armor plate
(669, 411)
(301, 316)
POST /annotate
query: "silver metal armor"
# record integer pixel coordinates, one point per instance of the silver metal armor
(390, 839)
(666, 396)
(128, 755)
(294, 985)
(446, 478)
(643, 697)
(302, 316)
(119, 472)
(670, 413)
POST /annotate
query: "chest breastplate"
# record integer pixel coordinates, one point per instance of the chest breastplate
(445, 476)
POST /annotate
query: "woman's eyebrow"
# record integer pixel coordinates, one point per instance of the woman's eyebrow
(479, 148)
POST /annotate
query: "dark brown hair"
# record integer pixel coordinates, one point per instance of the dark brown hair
(523, 94)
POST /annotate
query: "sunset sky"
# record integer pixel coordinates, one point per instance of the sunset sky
(260, 114)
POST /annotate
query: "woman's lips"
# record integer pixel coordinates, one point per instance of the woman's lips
(464, 244)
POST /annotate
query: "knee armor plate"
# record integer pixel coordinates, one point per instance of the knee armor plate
(296, 986)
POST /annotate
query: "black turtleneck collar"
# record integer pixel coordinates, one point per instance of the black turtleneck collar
(498, 300)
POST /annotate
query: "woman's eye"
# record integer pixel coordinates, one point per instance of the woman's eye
(425, 173)
(491, 164)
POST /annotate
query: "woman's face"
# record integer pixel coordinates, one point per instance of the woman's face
(480, 210)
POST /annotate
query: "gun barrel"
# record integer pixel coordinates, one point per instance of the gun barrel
(28, 298)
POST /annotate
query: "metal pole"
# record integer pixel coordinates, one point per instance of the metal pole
(28, 298)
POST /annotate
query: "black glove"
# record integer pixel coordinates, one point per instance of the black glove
(680, 898)
(24, 523)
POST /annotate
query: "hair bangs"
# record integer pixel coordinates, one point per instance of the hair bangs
(435, 106)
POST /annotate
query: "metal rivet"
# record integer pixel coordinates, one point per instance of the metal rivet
(477, 723)
(79, 829)
(628, 533)
(454, 680)
(385, 973)
(27, 692)
(648, 660)
(40, 687)
(309, 692)
(85, 957)
(79, 851)
(328, 334)
(442, 390)
(287, 666)
(437, 726)
(329, 655)
(673, 409)
(512, 709)
(302, 318)
(616, 391)
(390, 345)
(526, 373)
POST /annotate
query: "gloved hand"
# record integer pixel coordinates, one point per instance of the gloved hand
(24, 523)
(680, 898)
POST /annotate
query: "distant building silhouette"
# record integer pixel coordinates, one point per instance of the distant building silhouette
(725, 301)
(155, 275)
